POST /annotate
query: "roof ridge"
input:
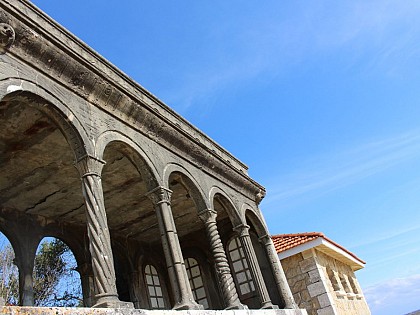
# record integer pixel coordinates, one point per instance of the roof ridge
(283, 242)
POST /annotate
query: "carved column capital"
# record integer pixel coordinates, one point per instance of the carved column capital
(242, 230)
(89, 165)
(7, 37)
(265, 239)
(160, 195)
(208, 215)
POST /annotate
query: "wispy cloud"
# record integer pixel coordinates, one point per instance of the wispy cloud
(384, 34)
(338, 169)
(395, 296)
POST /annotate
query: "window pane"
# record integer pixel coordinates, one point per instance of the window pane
(201, 293)
(204, 303)
(154, 303)
(237, 266)
(198, 282)
(235, 255)
(244, 288)
(195, 271)
(149, 279)
(241, 276)
(156, 280)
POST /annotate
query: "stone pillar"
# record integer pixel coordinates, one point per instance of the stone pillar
(135, 289)
(26, 289)
(278, 273)
(226, 283)
(25, 261)
(243, 232)
(87, 281)
(100, 249)
(184, 300)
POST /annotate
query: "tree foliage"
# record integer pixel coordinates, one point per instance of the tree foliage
(55, 280)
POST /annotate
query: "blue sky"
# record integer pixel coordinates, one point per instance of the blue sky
(320, 99)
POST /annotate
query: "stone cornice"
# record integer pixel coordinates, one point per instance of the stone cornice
(51, 49)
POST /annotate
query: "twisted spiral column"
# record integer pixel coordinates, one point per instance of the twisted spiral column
(227, 285)
(243, 232)
(99, 239)
(278, 272)
(184, 300)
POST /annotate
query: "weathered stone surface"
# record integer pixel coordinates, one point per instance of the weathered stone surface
(95, 311)
(308, 264)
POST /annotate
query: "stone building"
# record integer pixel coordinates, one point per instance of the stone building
(157, 214)
(321, 274)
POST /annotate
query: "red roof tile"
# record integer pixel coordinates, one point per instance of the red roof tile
(283, 242)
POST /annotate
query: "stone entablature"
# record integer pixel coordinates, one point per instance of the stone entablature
(56, 53)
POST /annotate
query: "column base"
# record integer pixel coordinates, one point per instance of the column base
(237, 307)
(190, 305)
(269, 306)
(111, 301)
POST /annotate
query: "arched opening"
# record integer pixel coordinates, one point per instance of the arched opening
(39, 187)
(56, 281)
(9, 273)
(227, 219)
(186, 202)
(130, 213)
(256, 231)
(242, 273)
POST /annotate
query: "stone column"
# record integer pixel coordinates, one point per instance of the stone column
(25, 261)
(184, 300)
(100, 249)
(227, 285)
(278, 273)
(87, 281)
(243, 232)
(26, 289)
(135, 289)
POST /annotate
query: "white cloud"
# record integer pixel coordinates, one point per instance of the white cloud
(384, 34)
(395, 296)
(338, 169)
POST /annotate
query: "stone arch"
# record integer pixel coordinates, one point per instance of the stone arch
(53, 107)
(75, 244)
(227, 202)
(189, 182)
(137, 155)
(250, 215)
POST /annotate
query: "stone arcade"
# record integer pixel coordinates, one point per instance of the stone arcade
(165, 218)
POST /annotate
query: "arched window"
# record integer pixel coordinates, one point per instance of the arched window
(241, 270)
(196, 282)
(154, 288)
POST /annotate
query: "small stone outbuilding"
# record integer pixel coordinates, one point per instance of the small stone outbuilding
(321, 274)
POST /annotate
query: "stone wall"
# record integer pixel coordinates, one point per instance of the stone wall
(323, 285)
(304, 281)
(342, 286)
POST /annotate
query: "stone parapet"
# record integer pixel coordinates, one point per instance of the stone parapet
(16, 310)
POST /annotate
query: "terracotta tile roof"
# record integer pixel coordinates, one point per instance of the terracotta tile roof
(283, 242)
